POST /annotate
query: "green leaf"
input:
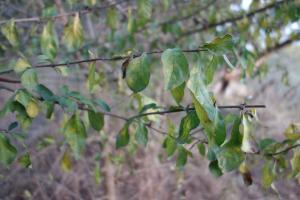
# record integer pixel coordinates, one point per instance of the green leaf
(210, 69)
(73, 34)
(75, 134)
(12, 126)
(215, 169)
(49, 41)
(236, 137)
(29, 79)
(175, 68)
(230, 158)
(32, 109)
(201, 148)
(112, 18)
(267, 176)
(141, 134)
(138, 73)
(7, 151)
(178, 92)
(188, 123)
(170, 145)
(9, 30)
(182, 157)
(295, 162)
(23, 97)
(92, 76)
(25, 160)
(44, 92)
(209, 115)
(102, 104)
(21, 65)
(123, 137)
(132, 24)
(220, 45)
(97, 174)
(96, 120)
(144, 8)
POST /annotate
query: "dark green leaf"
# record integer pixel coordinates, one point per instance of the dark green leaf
(215, 169)
(96, 120)
(201, 148)
(44, 92)
(188, 123)
(7, 151)
(123, 137)
(12, 126)
(138, 73)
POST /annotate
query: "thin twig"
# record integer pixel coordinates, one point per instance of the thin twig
(234, 19)
(115, 58)
(283, 151)
(85, 10)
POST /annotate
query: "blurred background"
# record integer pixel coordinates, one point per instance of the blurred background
(266, 34)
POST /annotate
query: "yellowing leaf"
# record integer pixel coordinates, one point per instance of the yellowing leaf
(21, 65)
(9, 30)
(32, 109)
(66, 162)
(73, 34)
(49, 41)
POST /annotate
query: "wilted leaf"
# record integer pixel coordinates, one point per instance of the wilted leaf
(9, 30)
(49, 41)
(73, 34)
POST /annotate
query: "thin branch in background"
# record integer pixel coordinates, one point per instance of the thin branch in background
(234, 19)
(283, 151)
(83, 11)
(6, 80)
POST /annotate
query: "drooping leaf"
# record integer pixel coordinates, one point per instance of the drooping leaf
(75, 134)
(73, 34)
(175, 68)
(178, 92)
(9, 30)
(170, 145)
(267, 176)
(141, 134)
(138, 73)
(249, 144)
(188, 123)
(49, 41)
(123, 137)
(7, 151)
(96, 120)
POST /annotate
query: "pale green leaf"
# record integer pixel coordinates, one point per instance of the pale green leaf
(73, 36)
(29, 79)
(175, 68)
(49, 41)
(141, 134)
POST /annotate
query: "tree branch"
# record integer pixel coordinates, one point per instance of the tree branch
(116, 58)
(85, 10)
(283, 151)
(6, 80)
(234, 19)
